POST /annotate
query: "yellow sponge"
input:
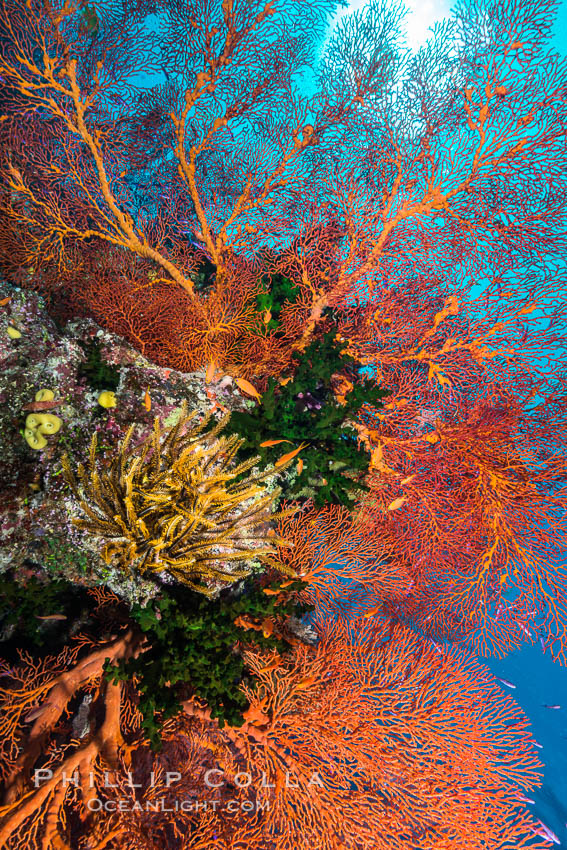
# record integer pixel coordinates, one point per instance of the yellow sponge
(34, 439)
(107, 399)
(48, 423)
(39, 424)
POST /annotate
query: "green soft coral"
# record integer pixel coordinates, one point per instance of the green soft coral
(193, 649)
(278, 290)
(307, 410)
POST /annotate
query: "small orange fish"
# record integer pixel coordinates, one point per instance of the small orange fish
(305, 683)
(371, 613)
(290, 455)
(147, 399)
(324, 482)
(269, 592)
(300, 466)
(287, 583)
(273, 665)
(432, 437)
(397, 503)
(267, 316)
(52, 617)
(268, 443)
(5, 301)
(248, 388)
(267, 627)
(211, 369)
(244, 623)
(408, 479)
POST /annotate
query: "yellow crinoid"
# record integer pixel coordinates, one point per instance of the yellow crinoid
(178, 502)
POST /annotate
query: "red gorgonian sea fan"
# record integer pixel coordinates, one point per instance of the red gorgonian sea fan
(416, 201)
(468, 458)
(370, 738)
(455, 179)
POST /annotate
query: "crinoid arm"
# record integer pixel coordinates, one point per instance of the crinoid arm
(179, 502)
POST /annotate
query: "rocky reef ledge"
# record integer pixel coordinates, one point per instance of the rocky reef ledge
(58, 386)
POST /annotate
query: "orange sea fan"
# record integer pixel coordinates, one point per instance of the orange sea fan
(479, 465)
(348, 568)
(372, 738)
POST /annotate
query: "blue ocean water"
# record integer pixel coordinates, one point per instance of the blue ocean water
(560, 30)
(539, 682)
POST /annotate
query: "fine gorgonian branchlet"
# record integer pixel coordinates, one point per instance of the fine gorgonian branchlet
(178, 502)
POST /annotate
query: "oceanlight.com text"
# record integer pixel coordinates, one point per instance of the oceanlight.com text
(163, 805)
